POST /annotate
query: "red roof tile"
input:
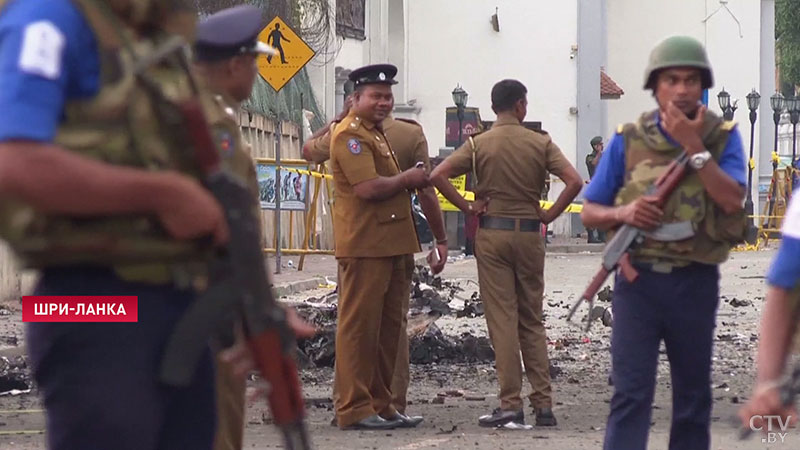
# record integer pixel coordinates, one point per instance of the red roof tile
(609, 89)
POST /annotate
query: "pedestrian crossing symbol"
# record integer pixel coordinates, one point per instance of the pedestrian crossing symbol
(293, 54)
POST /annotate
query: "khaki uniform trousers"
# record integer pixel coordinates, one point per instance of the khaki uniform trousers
(401, 376)
(230, 408)
(373, 293)
(511, 277)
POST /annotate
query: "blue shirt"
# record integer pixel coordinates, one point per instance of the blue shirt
(610, 174)
(48, 54)
(785, 269)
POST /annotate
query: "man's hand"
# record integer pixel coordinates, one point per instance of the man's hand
(765, 401)
(642, 213)
(545, 215)
(684, 131)
(188, 210)
(437, 263)
(479, 207)
(301, 328)
(240, 357)
(415, 178)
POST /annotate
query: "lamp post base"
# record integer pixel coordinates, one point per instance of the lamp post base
(751, 233)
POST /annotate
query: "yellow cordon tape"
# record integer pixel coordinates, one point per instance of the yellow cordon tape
(459, 182)
(308, 172)
(445, 205)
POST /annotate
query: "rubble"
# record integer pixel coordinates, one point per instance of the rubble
(431, 298)
(14, 375)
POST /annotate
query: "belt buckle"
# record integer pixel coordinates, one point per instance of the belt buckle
(662, 267)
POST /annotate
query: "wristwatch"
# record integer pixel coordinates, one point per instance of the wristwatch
(699, 160)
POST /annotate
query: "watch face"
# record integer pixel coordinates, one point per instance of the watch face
(699, 160)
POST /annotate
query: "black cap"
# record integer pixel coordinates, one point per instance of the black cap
(230, 32)
(596, 140)
(374, 74)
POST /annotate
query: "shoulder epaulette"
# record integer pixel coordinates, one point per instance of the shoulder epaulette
(412, 122)
(354, 123)
(728, 125)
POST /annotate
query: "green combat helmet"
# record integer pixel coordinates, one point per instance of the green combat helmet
(678, 51)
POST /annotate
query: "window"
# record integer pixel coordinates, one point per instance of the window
(350, 19)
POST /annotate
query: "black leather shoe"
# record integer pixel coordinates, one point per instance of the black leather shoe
(545, 417)
(374, 422)
(500, 417)
(406, 421)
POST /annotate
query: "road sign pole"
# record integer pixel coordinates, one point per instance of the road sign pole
(278, 245)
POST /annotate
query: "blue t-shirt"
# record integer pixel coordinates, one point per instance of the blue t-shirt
(785, 269)
(48, 54)
(610, 174)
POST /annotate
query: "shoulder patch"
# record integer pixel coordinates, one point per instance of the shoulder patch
(42, 50)
(354, 146)
(224, 140)
(728, 125)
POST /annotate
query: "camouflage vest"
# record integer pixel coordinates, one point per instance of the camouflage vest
(132, 121)
(647, 155)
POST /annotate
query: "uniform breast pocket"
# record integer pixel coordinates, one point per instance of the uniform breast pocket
(392, 211)
(384, 163)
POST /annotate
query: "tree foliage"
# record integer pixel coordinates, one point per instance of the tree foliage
(787, 33)
(311, 19)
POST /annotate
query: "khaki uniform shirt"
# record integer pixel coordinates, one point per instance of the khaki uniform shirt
(405, 136)
(235, 153)
(512, 165)
(367, 228)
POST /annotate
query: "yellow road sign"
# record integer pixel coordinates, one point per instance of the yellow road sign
(293, 54)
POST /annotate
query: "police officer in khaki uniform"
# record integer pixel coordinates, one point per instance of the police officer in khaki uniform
(510, 164)
(225, 55)
(410, 146)
(375, 242)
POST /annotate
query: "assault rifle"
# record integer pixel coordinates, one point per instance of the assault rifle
(616, 254)
(239, 291)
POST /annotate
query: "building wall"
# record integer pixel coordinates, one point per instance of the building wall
(635, 27)
(347, 54)
(450, 44)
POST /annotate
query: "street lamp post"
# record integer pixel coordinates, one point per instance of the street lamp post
(724, 100)
(776, 102)
(460, 99)
(793, 108)
(753, 99)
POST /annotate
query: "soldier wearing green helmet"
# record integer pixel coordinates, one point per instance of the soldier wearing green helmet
(594, 236)
(676, 294)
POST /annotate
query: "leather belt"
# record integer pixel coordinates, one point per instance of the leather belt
(507, 223)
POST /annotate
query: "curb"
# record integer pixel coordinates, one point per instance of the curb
(574, 248)
(294, 287)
